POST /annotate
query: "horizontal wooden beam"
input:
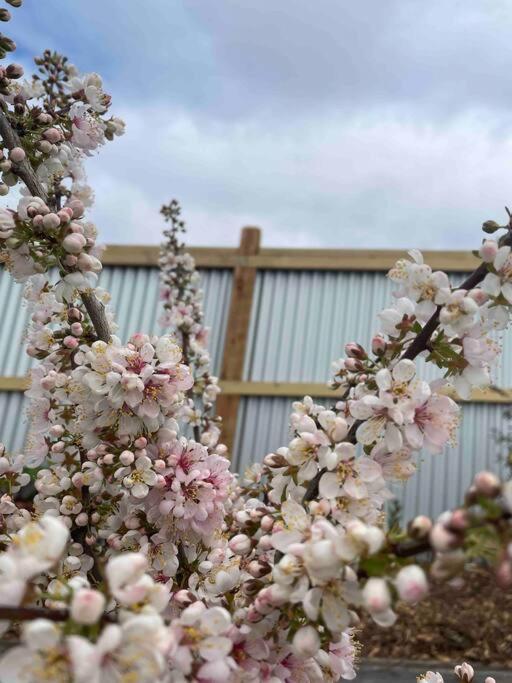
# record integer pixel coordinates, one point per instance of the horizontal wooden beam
(291, 259)
(291, 390)
(320, 390)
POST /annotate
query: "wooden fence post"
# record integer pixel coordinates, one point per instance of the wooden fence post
(244, 278)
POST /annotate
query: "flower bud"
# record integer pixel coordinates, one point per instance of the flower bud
(458, 520)
(51, 221)
(70, 342)
(306, 642)
(411, 583)
(465, 672)
(77, 208)
(442, 539)
(183, 598)
(354, 350)
(487, 484)
(420, 527)
(274, 460)
(87, 606)
(488, 251)
(258, 568)
(77, 329)
(82, 519)
(378, 345)
(4, 189)
(353, 365)
(240, 544)
(17, 155)
(127, 457)
(14, 3)
(14, 71)
(75, 314)
(376, 596)
(44, 146)
(74, 243)
(5, 166)
(53, 135)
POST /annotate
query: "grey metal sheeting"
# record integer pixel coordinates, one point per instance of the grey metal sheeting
(300, 322)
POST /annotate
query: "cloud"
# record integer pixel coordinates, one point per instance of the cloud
(379, 180)
(362, 124)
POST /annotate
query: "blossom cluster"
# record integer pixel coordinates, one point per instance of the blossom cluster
(183, 316)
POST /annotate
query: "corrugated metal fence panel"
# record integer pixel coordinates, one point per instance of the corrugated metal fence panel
(440, 480)
(136, 305)
(301, 321)
(13, 421)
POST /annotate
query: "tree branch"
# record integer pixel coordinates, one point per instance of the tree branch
(28, 613)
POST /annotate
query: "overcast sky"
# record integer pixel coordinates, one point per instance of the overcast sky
(382, 123)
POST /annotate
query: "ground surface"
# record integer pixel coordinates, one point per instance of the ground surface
(472, 622)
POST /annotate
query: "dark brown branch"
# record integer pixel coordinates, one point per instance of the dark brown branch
(24, 170)
(28, 613)
(96, 311)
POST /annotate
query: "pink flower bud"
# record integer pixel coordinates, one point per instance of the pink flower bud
(75, 314)
(411, 583)
(240, 544)
(258, 568)
(490, 679)
(64, 216)
(51, 221)
(44, 146)
(306, 642)
(354, 350)
(487, 484)
(57, 430)
(87, 606)
(73, 243)
(378, 345)
(274, 460)
(441, 539)
(76, 227)
(77, 329)
(141, 442)
(17, 155)
(488, 250)
(478, 296)
(458, 520)
(267, 522)
(465, 672)
(183, 598)
(107, 459)
(70, 260)
(82, 519)
(420, 527)
(53, 135)
(127, 457)
(14, 71)
(70, 342)
(376, 596)
(353, 365)
(77, 207)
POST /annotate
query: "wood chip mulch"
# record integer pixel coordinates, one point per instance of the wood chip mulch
(472, 621)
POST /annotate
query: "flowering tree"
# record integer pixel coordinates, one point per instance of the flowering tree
(143, 558)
